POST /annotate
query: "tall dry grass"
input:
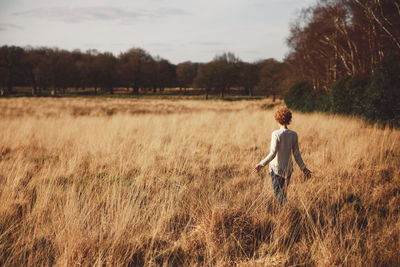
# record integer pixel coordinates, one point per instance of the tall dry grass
(175, 187)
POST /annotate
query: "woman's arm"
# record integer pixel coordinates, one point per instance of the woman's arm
(298, 159)
(270, 156)
(296, 153)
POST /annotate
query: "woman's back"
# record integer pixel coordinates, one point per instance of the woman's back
(286, 142)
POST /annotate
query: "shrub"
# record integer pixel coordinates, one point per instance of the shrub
(341, 97)
(347, 95)
(301, 97)
(323, 102)
(383, 94)
(358, 85)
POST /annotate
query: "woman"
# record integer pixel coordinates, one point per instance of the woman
(283, 142)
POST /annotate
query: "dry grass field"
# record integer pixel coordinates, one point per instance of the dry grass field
(120, 182)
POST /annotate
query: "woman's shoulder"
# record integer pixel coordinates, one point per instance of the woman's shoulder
(277, 132)
(293, 133)
(287, 132)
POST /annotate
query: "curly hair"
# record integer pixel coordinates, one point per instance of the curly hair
(283, 116)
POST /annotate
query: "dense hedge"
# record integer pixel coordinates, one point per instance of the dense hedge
(301, 96)
(383, 94)
(375, 98)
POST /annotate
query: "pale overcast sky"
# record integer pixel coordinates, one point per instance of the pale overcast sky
(177, 30)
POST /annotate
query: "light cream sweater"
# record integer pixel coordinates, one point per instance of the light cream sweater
(283, 142)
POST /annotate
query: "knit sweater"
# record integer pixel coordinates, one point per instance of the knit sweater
(283, 142)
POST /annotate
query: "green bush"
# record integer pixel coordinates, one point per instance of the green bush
(301, 97)
(341, 97)
(359, 85)
(382, 103)
(347, 95)
(376, 98)
(323, 103)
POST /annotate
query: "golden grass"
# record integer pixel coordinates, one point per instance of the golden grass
(170, 183)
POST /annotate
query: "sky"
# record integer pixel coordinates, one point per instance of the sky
(177, 30)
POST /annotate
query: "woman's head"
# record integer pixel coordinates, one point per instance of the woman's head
(283, 116)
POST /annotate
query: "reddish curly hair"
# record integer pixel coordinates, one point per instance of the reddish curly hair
(283, 116)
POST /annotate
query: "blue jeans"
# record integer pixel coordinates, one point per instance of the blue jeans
(280, 184)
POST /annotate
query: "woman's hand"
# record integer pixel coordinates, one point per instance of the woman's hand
(258, 167)
(307, 173)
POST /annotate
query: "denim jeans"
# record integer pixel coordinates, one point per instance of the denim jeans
(280, 184)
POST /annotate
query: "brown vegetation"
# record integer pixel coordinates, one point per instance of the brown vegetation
(335, 39)
(172, 185)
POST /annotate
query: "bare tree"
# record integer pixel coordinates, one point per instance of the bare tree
(186, 72)
(205, 77)
(343, 38)
(226, 72)
(164, 74)
(134, 68)
(248, 77)
(10, 64)
(105, 67)
(271, 76)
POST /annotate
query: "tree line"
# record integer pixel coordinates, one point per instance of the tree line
(346, 57)
(54, 70)
(343, 58)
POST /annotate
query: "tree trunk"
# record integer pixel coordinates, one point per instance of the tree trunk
(376, 18)
(207, 90)
(34, 89)
(222, 93)
(34, 86)
(10, 84)
(8, 90)
(251, 91)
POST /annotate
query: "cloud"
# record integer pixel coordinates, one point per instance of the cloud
(118, 44)
(164, 12)
(206, 43)
(9, 26)
(287, 2)
(261, 4)
(158, 44)
(99, 13)
(92, 45)
(256, 52)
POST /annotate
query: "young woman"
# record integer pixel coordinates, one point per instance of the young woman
(283, 143)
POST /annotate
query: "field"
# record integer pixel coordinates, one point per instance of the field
(117, 182)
